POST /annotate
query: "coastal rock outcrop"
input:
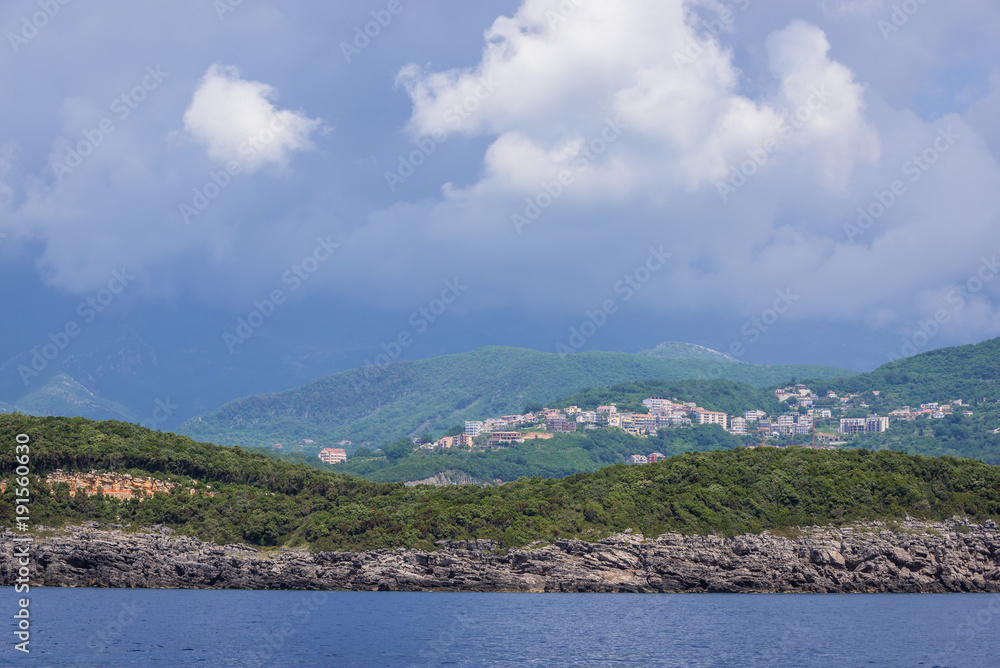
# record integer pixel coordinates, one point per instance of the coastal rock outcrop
(913, 556)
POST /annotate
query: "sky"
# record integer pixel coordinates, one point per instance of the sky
(246, 195)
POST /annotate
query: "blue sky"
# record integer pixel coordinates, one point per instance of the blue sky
(818, 179)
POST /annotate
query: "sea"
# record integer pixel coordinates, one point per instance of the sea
(144, 627)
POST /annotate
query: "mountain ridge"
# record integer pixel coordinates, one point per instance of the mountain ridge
(691, 351)
(377, 404)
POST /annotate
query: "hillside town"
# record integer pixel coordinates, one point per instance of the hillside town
(823, 419)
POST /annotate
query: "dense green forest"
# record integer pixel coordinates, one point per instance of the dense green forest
(964, 372)
(379, 404)
(264, 501)
(954, 436)
(562, 455)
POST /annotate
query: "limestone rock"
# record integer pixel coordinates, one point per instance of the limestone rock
(919, 557)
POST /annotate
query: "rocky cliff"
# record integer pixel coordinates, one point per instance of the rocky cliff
(911, 557)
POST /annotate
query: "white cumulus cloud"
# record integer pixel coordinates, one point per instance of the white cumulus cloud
(236, 119)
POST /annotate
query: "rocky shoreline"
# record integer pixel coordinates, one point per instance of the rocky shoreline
(911, 557)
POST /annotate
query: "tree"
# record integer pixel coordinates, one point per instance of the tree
(398, 450)
(532, 407)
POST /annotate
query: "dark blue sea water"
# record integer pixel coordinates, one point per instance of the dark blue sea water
(117, 627)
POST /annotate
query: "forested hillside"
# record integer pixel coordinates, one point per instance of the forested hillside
(964, 372)
(246, 497)
(379, 404)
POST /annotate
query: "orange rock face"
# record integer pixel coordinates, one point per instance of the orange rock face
(118, 485)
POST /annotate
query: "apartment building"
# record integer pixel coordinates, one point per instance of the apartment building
(673, 420)
(711, 417)
(332, 455)
(559, 423)
(473, 428)
(872, 424)
(506, 437)
(875, 424)
(642, 421)
(657, 403)
(852, 425)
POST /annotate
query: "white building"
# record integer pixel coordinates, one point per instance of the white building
(872, 424)
(738, 426)
(332, 455)
(875, 424)
(473, 429)
(711, 417)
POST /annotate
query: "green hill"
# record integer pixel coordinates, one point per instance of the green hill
(240, 496)
(678, 350)
(715, 395)
(62, 395)
(558, 457)
(967, 372)
(376, 405)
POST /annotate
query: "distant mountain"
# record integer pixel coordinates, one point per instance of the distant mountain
(376, 405)
(62, 395)
(191, 376)
(677, 350)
